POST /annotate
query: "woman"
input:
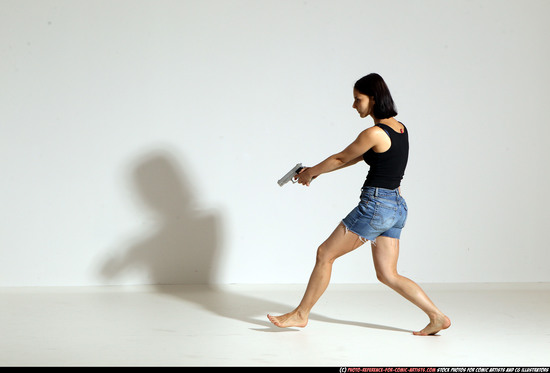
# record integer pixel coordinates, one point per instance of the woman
(381, 213)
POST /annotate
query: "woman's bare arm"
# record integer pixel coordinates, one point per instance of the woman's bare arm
(350, 163)
(349, 156)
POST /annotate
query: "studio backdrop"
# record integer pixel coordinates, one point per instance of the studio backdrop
(141, 141)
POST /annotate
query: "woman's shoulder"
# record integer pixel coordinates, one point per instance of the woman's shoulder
(373, 137)
(392, 124)
(373, 131)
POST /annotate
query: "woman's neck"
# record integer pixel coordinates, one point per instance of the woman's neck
(387, 121)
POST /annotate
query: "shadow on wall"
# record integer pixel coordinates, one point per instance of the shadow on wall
(182, 247)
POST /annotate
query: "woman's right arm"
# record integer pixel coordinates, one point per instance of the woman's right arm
(349, 156)
(350, 163)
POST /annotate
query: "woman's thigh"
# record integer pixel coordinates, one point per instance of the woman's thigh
(340, 242)
(385, 253)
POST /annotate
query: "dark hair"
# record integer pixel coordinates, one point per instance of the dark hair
(374, 86)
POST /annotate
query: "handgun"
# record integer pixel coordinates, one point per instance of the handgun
(290, 175)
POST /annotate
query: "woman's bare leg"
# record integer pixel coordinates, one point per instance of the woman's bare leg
(339, 243)
(385, 254)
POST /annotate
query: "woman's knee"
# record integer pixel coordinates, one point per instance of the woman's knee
(324, 254)
(388, 278)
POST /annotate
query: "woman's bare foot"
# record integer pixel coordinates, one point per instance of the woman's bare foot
(291, 319)
(436, 324)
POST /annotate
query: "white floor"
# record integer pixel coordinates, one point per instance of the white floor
(353, 325)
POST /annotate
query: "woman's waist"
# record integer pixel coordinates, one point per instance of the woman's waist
(380, 192)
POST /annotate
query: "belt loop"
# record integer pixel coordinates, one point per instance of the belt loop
(376, 192)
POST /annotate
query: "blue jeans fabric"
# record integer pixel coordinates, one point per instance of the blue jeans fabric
(381, 212)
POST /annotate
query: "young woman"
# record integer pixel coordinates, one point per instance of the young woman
(381, 213)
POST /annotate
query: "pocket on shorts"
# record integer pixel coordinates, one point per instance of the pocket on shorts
(384, 216)
(366, 209)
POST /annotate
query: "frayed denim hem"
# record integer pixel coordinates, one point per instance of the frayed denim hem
(363, 239)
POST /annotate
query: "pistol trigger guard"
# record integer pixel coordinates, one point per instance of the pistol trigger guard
(294, 178)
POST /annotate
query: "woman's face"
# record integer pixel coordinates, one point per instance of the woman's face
(362, 103)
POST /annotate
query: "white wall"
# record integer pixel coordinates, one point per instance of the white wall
(141, 141)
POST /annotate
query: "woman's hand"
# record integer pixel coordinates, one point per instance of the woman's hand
(305, 177)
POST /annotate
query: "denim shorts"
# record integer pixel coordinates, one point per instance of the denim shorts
(381, 212)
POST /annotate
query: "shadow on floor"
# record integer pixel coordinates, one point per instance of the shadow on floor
(183, 248)
(250, 309)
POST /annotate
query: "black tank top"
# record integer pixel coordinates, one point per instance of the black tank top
(387, 169)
